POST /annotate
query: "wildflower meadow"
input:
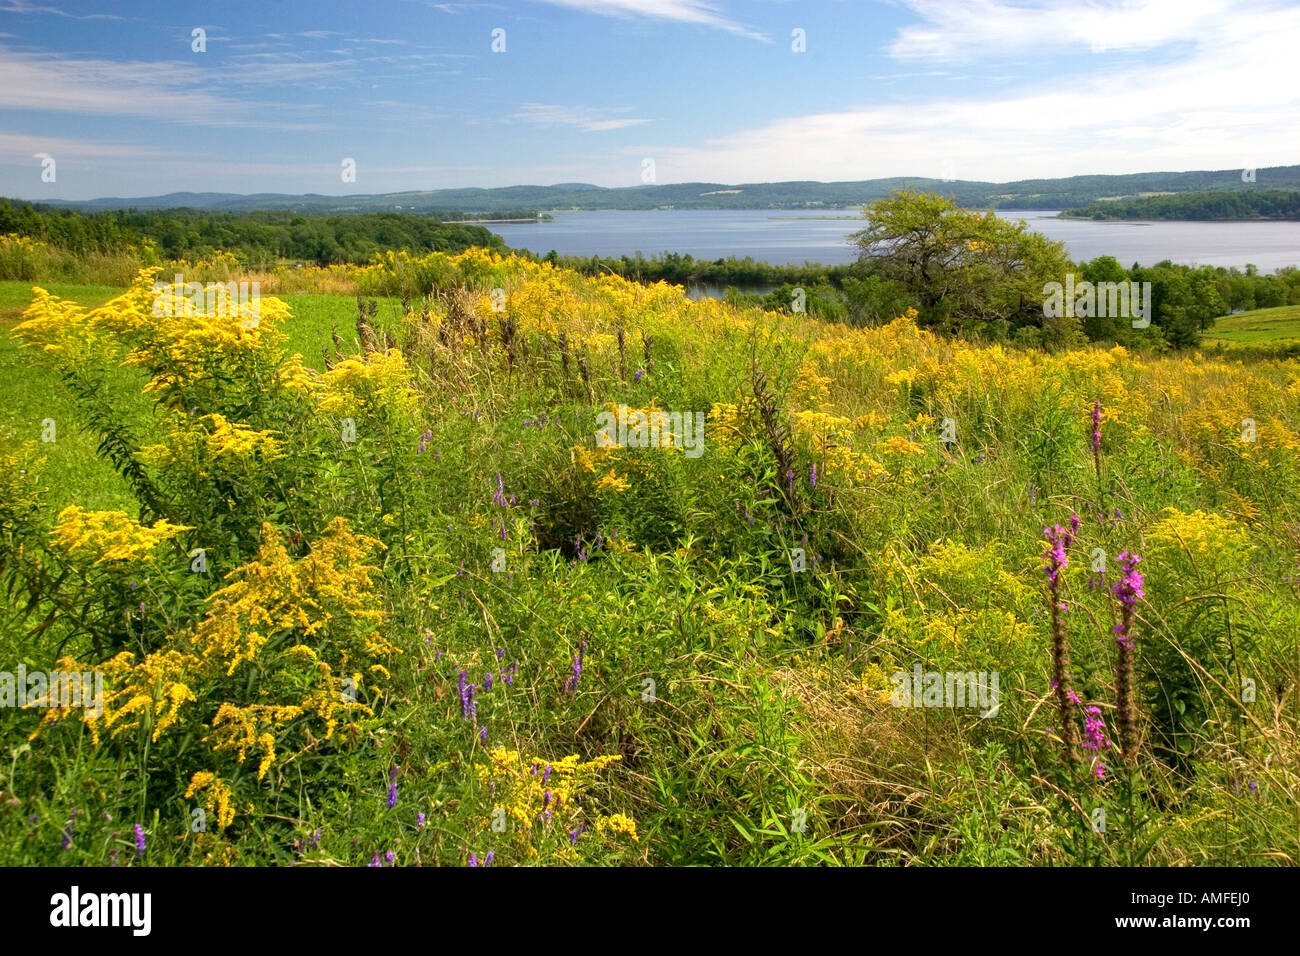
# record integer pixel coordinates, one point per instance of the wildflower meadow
(472, 560)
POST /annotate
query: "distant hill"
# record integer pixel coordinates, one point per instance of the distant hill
(1068, 193)
(1215, 204)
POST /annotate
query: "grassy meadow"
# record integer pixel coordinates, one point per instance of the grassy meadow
(366, 585)
(1258, 325)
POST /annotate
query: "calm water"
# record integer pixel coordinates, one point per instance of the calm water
(798, 236)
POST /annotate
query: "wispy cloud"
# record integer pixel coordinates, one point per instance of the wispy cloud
(1054, 29)
(1229, 100)
(18, 147)
(586, 118)
(26, 6)
(680, 11)
(162, 90)
(457, 8)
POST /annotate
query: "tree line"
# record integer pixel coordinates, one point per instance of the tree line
(1238, 204)
(255, 238)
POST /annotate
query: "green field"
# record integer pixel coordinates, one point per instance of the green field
(29, 394)
(437, 615)
(1257, 325)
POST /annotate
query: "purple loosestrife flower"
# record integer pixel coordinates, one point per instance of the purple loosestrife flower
(487, 682)
(571, 684)
(139, 840)
(1129, 590)
(546, 777)
(1094, 738)
(392, 787)
(813, 476)
(473, 859)
(487, 860)
(1096, 436)
(1057, 556)
(1129, 587)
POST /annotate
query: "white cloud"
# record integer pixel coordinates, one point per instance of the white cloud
(26, 6)
(161, 90)
(1229, 99)
(586, 118)
(1054, 29)
(680, 11)
(18, 148)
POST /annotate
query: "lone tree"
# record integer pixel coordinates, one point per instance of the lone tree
(969, 272)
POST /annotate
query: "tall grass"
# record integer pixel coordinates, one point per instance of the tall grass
(421, 502)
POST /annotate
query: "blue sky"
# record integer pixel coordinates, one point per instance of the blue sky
(587, 90)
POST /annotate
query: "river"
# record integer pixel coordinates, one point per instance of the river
(796, 236)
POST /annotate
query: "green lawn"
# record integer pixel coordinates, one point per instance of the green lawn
(29, 394)
(314, 316)
(1257, 325)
